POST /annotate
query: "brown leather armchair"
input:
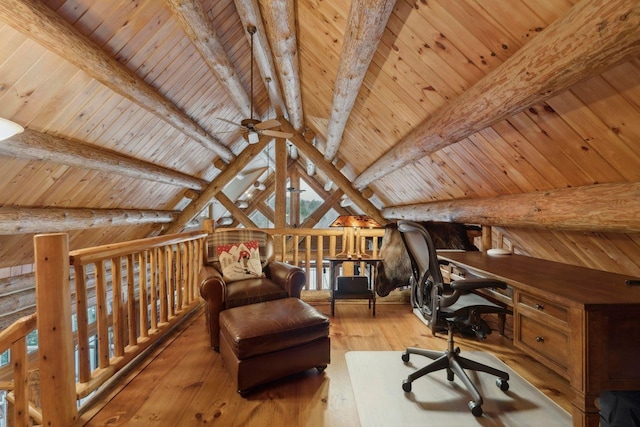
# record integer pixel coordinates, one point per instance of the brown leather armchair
(279, 280)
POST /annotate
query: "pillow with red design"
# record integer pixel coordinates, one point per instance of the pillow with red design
(240, 261)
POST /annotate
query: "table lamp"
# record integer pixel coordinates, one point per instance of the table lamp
(352, 225)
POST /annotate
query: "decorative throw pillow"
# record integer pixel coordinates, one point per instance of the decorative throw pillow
(240, 261)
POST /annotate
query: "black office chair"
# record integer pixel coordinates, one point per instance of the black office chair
(448, 306)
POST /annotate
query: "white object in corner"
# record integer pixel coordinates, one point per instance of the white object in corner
(498, 251)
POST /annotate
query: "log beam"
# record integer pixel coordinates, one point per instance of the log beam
(219, 182)
(40, 146)
(237, 213)
(55, 220)
(198, 27)
(315, 156)
(365, 25)
(602, 207)
(592, 37)
(47, 28)
(279, 19)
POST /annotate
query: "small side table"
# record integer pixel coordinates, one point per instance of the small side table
(370, 294)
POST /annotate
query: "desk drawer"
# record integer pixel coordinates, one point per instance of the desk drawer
(541, 305)
(547, 343)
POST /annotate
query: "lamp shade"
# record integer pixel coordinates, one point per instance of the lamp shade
(9, 128)
(355, 221)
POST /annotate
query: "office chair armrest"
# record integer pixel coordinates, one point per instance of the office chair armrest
(471, 284)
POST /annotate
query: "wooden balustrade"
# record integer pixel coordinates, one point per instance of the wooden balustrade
(140, 290)
(150, 287)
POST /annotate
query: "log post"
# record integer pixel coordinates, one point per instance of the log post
(55, 336)
(486, 238)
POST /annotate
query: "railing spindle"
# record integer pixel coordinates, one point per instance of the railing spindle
(82, 322)
(118, 313)
(144, 308)
(131, 301)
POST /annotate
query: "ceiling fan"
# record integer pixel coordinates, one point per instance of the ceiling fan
(253, 128)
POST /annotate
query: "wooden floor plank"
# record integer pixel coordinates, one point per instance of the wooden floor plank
(184, 383)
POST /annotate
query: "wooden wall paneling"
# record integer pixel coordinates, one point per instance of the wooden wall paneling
(491, 167)
(616, 249)
(477, 168)
(611, 108)
(517, 21)
(467, 175)
(421, 83)
(545, 179)
(401, 92)
(624, 78)
(565, 164)
(410, 45)
(503, 166)
(480, 39)
(67, 101)
(600, 137)
(430, 28)
(586, 159)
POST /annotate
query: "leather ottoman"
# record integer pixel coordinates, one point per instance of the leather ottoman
(266, 341)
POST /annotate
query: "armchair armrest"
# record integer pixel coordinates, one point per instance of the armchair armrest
(290, 277)
(471, 284)
(212, 290)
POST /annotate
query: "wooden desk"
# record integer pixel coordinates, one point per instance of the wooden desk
(582, 323)
(370, 265)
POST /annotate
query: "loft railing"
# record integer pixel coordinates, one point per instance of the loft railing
(152, 287)
(98, 320)
(309, 248)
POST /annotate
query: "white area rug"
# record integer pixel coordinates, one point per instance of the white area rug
(376, 378)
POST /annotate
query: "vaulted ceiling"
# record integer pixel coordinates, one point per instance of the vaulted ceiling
(524, 115)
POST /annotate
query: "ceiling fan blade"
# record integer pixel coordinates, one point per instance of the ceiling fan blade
(277, 133)
(268, 124)
(229, 121)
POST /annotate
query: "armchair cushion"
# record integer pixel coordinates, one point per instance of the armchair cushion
(240, 261)
(265, 243)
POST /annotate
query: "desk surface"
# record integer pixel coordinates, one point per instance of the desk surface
(575, 286)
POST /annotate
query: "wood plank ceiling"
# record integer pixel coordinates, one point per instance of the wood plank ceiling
(457, 110)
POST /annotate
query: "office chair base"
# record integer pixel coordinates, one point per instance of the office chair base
(454, 365)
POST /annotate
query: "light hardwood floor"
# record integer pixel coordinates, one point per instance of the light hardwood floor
(184, 382)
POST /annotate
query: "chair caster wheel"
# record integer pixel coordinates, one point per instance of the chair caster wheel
(406, 386)
(502, 384)
(321, 368)
(405, 357)
(475, 408)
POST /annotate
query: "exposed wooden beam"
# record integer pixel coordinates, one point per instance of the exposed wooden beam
(55, 220)
(249, 12)
(592, 37)
(237, 213)
(47, 28)
(279, 19)
(198, 27)
(40, 146)
(223, 178)
(602, 207)
(365, 25)
(315, 156)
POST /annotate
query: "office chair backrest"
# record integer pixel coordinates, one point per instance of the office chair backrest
(427, 277)
(422, 252)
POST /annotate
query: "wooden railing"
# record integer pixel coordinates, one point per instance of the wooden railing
(137, 291)
(307, 248)
(153, 286)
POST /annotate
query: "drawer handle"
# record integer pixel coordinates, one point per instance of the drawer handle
(539, 307)
(539, 339)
